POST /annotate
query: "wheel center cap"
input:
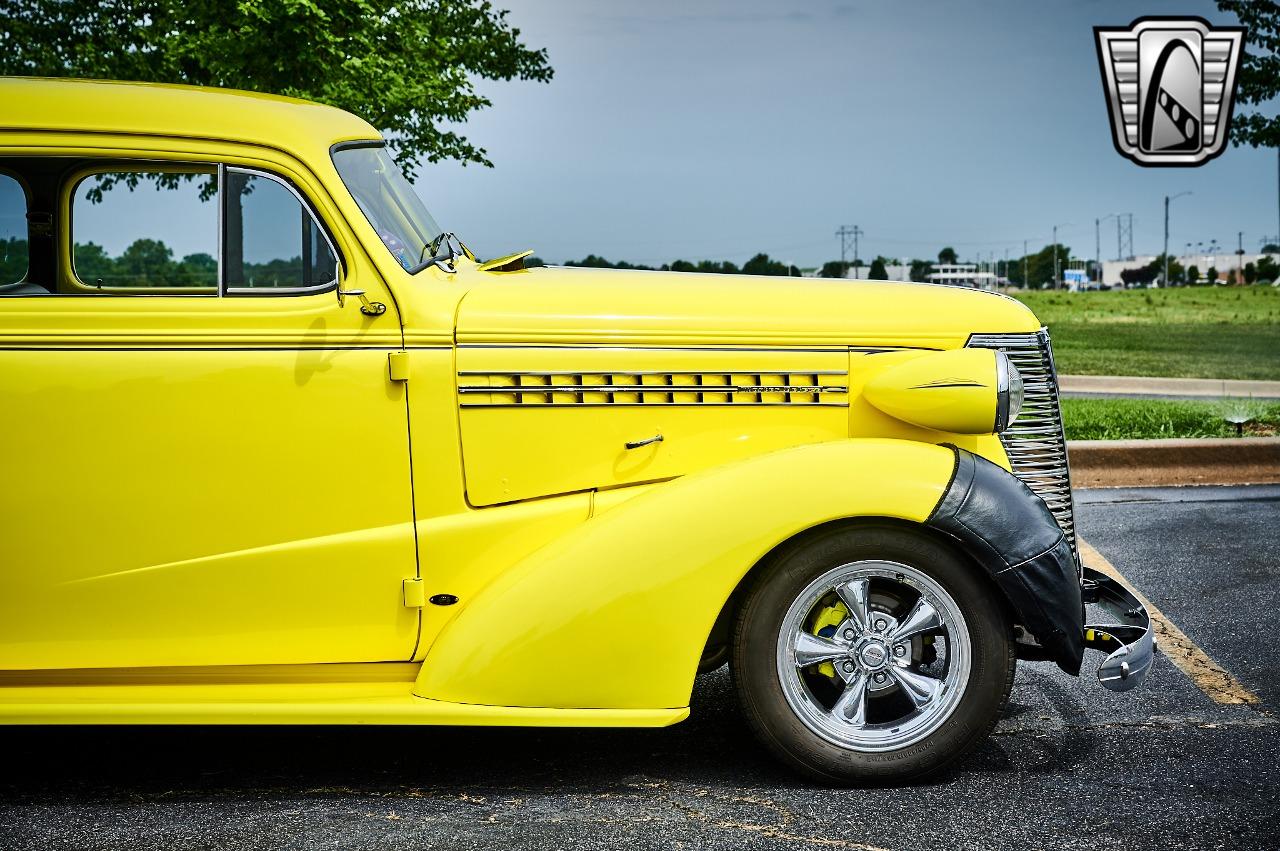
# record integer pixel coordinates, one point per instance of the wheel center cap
(874, 654)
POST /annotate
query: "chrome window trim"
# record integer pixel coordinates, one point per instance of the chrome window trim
(222, 226)
(317, 220)
(142, 167)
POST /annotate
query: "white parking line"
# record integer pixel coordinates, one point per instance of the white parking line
(1210, 677)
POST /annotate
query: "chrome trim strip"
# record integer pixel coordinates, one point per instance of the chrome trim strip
(544, 372)
(668, 348)
(547, 389)
(551, 406)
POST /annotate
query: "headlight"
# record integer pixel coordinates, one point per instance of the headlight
(961, 391)
(1009, 392)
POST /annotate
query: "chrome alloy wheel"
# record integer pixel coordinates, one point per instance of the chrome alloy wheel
(874, 655)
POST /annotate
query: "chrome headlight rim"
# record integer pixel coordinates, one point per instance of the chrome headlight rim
(1010, 392)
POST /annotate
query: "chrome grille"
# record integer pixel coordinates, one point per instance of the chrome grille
(1035, 443)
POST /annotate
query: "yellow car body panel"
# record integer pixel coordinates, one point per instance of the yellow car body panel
(612, 616)
(216, 509)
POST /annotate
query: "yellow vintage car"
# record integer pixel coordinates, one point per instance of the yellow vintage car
(278, 449)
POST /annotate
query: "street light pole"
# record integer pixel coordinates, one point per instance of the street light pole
(1057, 283)
(1167, 199)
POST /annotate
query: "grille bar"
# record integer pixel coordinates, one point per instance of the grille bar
(1035, 443)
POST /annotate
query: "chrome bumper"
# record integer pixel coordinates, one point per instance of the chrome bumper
(1130, 643)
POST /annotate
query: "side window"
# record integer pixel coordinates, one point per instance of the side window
(148, 230)
(13, 232)
(272, 243)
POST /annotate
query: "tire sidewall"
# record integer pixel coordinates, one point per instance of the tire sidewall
(757, 630)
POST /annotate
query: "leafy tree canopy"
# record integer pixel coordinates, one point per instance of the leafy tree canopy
(761, 264)
(1259, 79)
(834, 269)
(407, 67)
(947, 256)
(1268, 270)
(878, 271)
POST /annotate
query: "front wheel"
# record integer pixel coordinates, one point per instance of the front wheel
(871, 654)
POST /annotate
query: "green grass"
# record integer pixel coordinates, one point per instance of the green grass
(1143, 419)
(1186, 332)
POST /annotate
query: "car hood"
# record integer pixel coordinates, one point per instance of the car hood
(563, 305)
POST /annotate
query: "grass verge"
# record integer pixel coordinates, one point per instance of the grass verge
(1186, 332)
(1148, 419)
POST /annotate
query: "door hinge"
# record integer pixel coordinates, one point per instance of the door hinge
(398, 366)
(415, 593)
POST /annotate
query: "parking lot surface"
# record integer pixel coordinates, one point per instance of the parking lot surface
(1069, 766)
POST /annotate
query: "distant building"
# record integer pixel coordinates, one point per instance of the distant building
(1222, 261)
(963, 275)
(895, 272)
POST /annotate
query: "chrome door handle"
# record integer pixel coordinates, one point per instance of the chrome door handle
(636, 444)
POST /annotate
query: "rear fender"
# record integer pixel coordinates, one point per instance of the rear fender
(615, 614)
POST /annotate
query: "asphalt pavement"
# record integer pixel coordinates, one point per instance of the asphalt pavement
(1070, 765)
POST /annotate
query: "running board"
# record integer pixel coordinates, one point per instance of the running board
(212, 696)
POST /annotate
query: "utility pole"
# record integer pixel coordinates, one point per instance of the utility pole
(1025, 285)
(1056, 267)
(1167, 199)
(1240, 257)
(1055, 257)
(844, 233)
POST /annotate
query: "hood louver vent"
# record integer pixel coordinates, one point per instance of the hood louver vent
(540, 389)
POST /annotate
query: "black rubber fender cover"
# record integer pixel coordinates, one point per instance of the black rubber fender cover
(1010, 531)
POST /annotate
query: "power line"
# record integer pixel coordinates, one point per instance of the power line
(844, 233)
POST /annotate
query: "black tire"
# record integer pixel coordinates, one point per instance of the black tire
(754, 664)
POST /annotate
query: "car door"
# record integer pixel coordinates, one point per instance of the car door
(204, 460)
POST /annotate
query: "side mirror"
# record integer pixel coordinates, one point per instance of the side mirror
(368, 308)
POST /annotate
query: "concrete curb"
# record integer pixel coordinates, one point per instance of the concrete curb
(1134, 385)
(1138, 463)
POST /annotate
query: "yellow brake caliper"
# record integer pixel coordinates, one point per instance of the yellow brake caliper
(824, 625)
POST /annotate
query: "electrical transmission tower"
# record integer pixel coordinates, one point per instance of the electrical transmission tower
(1124, 236)
(845, 232)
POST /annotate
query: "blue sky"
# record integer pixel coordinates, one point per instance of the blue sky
(718, 129)
(712, 129)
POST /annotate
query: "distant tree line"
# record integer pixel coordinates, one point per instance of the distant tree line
(760, 264)
(1038, 268)
(147, 263)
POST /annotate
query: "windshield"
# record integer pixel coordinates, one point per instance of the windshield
(388, 201)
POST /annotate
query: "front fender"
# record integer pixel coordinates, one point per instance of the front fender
(615, 614)
(1011, 532)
